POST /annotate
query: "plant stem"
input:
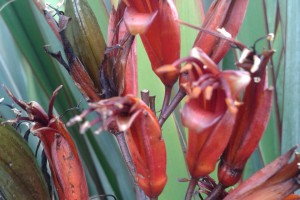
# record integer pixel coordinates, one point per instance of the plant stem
(140, 195)
(167, 112)
(191, 188)
(167, 97)
(125, 152)
(152, 103)
(214, 195)
(145, 96)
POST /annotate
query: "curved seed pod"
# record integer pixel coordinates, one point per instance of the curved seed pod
(20, 176)
(65, 165)
(85, 37)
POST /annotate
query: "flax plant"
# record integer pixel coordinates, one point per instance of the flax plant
(161, 99)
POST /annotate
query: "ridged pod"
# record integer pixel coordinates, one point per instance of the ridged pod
(85, 37)
(20, 175)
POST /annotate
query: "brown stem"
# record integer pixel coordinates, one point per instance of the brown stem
(167, 112)
(140, 195)
(191, 188)
(152, 103)
(145, 96)
(232, 41)
(215, 194)
(125, 152)
(167, 97)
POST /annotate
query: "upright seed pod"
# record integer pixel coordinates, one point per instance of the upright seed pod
(85, 37)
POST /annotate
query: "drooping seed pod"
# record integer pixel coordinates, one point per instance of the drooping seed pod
(65, 165)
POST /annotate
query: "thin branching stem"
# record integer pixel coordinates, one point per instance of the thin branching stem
(215, 194)
(167, 97)
(191, 188)
(167, 112)
(140, 195)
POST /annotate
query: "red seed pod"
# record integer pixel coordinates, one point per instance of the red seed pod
(65, 165)
(156, 22)
(210, 111)
(148, 152)
(227, 14)
(251, 122)
(143, 135)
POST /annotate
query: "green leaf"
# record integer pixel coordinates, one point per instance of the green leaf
(20, 175)
(291, 112)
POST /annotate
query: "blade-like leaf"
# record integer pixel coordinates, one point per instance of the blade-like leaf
(291, 112)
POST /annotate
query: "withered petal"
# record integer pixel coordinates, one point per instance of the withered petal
(237, 80)
(205, 59)
(125, 122)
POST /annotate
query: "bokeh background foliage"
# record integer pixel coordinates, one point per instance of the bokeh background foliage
(32, 75)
